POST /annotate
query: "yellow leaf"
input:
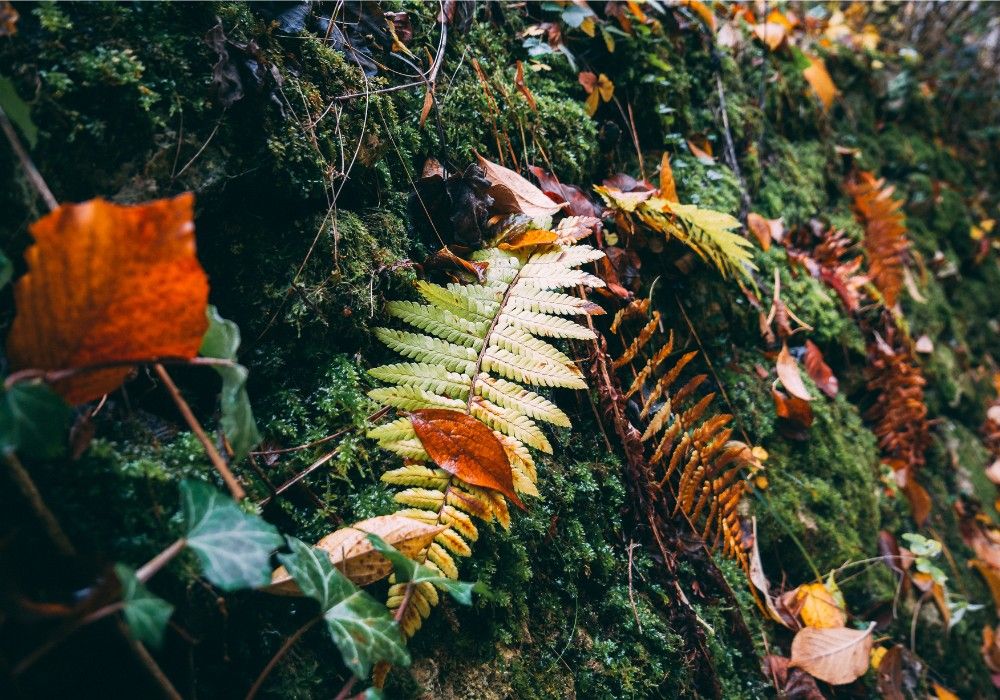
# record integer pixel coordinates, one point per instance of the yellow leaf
(588, 26)
(820, 81)
(771, 34)
(943, 693)
(702, 10)
(593, 100)
(819, 608)
(605, 87)
(668, 188)
(528, 238)
(878, 653)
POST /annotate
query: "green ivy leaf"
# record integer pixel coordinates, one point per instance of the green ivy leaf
(6, 270)
(409, 570)
(222, 341)
(234, 547)
(34, 420)
(361, 627)
(145, 614)
(17, 110)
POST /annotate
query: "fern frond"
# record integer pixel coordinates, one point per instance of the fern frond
(480, 351)
(885, 242)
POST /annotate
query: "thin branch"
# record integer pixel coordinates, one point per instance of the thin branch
(294, 637)
(35, 177)
(213, 454)
(31, 494)
(146, 660)
(58, 375)
(149, 569)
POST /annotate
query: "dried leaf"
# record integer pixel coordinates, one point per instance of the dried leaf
(526, 239)
(598, 88)
(702, 152)
(992, 578)
(837, 656)
(942, 693)
(819, 608)
(819, 371)
(797, 412)
(889, 680)
(465, 447)
(920, 500)
(759, 579)
(578, 205)
(8, 19)
(455, 268)
(759, 227)
(702, 10)
(668, 188)
(771, 34)
(426, 109)
(820, 81)
(109, 283)
(788, 373)
(514, 194)
(352, 552)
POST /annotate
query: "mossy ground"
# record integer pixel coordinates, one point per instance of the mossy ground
(122, 97)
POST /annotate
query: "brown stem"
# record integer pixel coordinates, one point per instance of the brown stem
(300, 476)
(146, 660)
(151, 567)
(31, 494)
(294, 637)
(213, 454)
(35, 177)
(58, 375)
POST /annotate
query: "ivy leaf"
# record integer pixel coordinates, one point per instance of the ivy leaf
(6, 270)
(408, 570)
(33, 420)
(233, 547)
(146, 614)
(17, 110)
(222, 341)
(361, 627)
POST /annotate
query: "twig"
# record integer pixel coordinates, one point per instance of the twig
(146, 660)
(278, 655)
(35, 177)
(631, 597)
(213, 454)
(149, 569)
(31, 494)
(300, 476)
(58, 375)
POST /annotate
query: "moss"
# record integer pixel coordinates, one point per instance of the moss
(795, 184)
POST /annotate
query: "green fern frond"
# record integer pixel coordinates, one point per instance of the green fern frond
(479, 349)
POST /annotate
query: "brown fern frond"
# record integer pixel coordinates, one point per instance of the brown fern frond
(699, 467)
(885, 233)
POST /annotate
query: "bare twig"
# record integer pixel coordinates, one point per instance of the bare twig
(213, 454)
(146, 660)
(31, 494)
(278, 655)
(35, 177)
(149, 569)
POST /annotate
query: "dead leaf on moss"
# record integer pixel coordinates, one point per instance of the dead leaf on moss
(514, 194)
(836, 655)
(820, 81)
(788, 373)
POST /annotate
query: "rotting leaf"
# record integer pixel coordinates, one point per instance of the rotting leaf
(796, 413)
(819, 371)
(234, 547)
(452, 210)
(792, 683)
(889, 680)
(352, 553)
(360, 626)
(820, 81)
(465, 447)
(109, 283)
(514, 194)
(788, 373)
(836, 655)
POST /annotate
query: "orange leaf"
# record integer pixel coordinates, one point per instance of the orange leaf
(765, 230)
(819, 371)
(943, 693)
(526, 239)
(819, 608)
(920, 500)
(839, 655)
(109, 283)
(465, 447)
(820, 81)
(701, 9)
(788, 373)
(668, 188)
(771, 34)
(703, 152)
(522, 88)
(793, 409)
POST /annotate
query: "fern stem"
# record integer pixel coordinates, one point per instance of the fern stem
(486, 341)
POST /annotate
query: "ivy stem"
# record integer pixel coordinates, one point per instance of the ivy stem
(58, 375)
(35, 177)
(31, 494)
(294, 637)
(151, 567)
(213, 454)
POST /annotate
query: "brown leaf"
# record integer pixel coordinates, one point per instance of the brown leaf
(668, 188)
(797, 412)
(526, 239)
(991, 648)
(889, 680)
(788, 373)
(577, 202)
(920, 500)
(759, 227)
(792, 683)
(465, 447)
(8, 19)
(109, 283)
(352, 553)
(514, 194)
(819, 608)
(426, 109)
(942, 693)
(820, 81)
(837, 656)
(702, 152)
(992, 578)
(759, 579)
(455, 268)
(819, 371)
(522, 88)
(771, 34)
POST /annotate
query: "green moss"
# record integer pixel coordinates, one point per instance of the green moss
(794, 187)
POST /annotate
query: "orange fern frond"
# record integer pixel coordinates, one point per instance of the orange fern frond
(885, 233)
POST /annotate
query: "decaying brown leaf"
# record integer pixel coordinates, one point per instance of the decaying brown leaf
(108, 283)
(819, 371)
(889, 680)
(352, 552)
(513, 194)
(792, 683)
(465, 447)
(788, 373)
(837, 655)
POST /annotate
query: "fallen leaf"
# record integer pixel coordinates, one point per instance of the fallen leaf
(771, 34)
(819, 609)
(8, 19)
(836, 656)
(352, 552)
(512, 193)
(942, 693)
(522, 88)
(993, 472)
(578, 205)
(668, 188)
(990, 649)
(924, 345)
(109, 283)
(820, 81)
(759, 227)
(920, 500)
(598, 88)
(792, 683)
(819, 371)
(455, 268)
(426, 109)
(703, 152)
(702, 10)
(526, 239)
(759, 579)
(889, 680)
(788, 373)
(465, 447)
(797, 412)
(624, 201)
(992, 578)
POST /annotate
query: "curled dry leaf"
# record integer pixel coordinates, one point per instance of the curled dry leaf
(819, 608)
(351, 551)
(836, 655)
(577, 204)
(109, 283)
(702, 152)
(514, 194)
(788, 373)
(820, 81)
(760, 228)
(465, 447)
(522, 88)
(526, 239)
(759, 579)
(792, 683)
(819, 371)
(598, 88)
